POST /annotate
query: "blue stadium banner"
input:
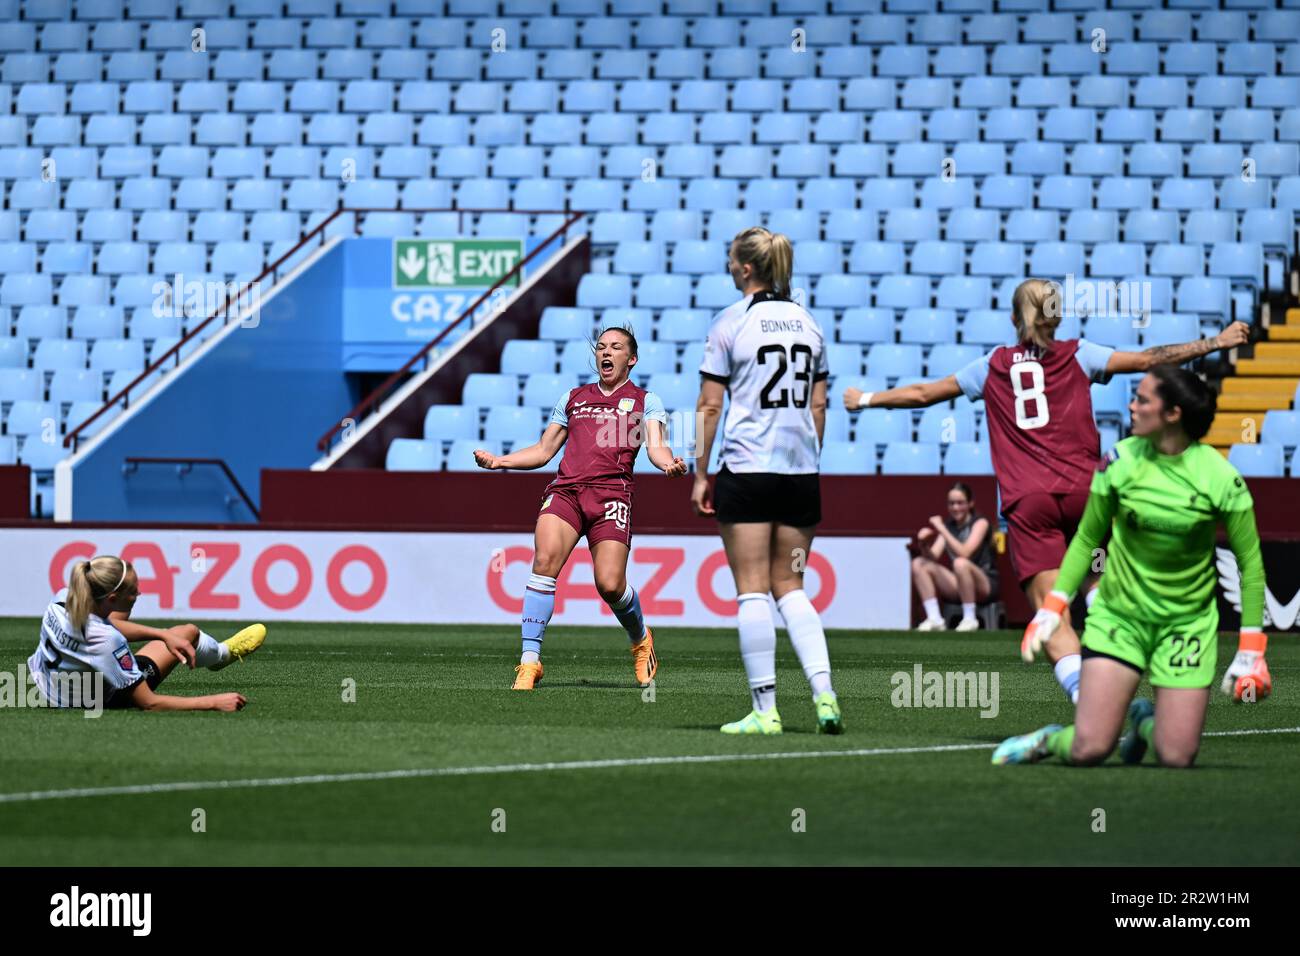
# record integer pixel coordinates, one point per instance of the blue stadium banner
(399, 293)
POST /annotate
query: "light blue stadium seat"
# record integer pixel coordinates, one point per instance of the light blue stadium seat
(1218, 92)
(413, 454)
(541, 390)
(59, 353)
(1281, 428)
(1115, 259)
(30, 418)
(841, 291)
(910, 458)
(928, 326)
(684, 325)
(895, 126)
(576, 358)
(562, 323)
(882, 426)
(1258, 461)
(936, 257)
(987, 327)
(867, 325)
(602, 291)
(997, 258)
(1177, 259)
(1113, 330)
(1170, 328)
(1091, 225)
(51, 225)
(762, 195)
(847, 458)
(523, 356)
(1238, 260)
(1206, 296)
(98, 322)
(964, 292)
(1056, 259)
(844, 357)
(870, 257)
(1151, 226)
(1238, 194)
(1273, 228)
(84, 290)
(893, 361)
(109, 355)
(947, 358)
(484, 390)
(942, 425)
(611, 228)
(967, 458)
(519, 427)
(911, 225)
(676, 391)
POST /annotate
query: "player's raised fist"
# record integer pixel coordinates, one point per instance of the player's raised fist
(677, 468)
(485, 459)
(1236, 334)
(851, 398)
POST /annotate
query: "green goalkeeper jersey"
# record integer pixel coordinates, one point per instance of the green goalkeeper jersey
(1163, 512)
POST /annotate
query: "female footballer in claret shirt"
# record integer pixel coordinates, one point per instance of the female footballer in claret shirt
(604, 424)
(1044, 440)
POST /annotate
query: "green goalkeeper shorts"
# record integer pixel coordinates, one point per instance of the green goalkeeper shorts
(1183, 654)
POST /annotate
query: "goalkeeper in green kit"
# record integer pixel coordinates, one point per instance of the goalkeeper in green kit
(1161, 494)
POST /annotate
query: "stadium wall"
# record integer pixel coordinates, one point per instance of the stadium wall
(15, 491)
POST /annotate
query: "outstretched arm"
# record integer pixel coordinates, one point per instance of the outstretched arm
(534, 456)
(920, 395)
(660, 455)
(146, 699)
(1121, 362)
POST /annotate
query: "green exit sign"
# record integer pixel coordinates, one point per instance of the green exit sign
(453, 263)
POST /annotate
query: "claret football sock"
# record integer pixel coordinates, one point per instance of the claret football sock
(758, 648)
(808, 638)
(539, 605)
(1067, 670)
(628, 611)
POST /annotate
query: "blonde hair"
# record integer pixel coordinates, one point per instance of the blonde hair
(1036, 307)
(91, 582)
(771, 255)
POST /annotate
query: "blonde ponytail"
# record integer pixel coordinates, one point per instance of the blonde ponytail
(770, 254)
(1037, 311)
(91, 582)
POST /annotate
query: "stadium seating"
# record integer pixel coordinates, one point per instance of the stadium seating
(1062, 165)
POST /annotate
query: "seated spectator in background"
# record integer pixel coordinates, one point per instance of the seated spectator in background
(967, 539)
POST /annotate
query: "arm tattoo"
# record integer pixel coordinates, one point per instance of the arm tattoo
(1178, 354)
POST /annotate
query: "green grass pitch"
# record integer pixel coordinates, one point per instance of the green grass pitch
(437, 697)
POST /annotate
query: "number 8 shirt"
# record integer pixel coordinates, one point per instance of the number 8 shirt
(1038, 413)
(768, 351)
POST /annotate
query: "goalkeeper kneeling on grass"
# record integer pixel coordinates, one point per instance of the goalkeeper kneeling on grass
(1161, 494)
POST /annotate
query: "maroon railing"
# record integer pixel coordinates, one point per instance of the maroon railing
(190, 462)
(377, 396)
(222, 310)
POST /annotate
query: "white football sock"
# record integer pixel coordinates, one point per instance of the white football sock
(529, 657)
(968, 611)
(808, 638)
(931, 606)
(209, 652)
(758, 647)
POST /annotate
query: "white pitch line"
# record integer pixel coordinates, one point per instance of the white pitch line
(370, 776)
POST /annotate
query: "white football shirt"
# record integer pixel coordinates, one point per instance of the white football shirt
(768, 352)
(64, 649)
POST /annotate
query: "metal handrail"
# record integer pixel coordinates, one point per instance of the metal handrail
(71, 437)
(376, 395)
(318, 231)
(216, 462)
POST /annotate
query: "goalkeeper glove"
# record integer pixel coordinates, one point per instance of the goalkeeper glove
(1248, 677)
(1044, 625)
